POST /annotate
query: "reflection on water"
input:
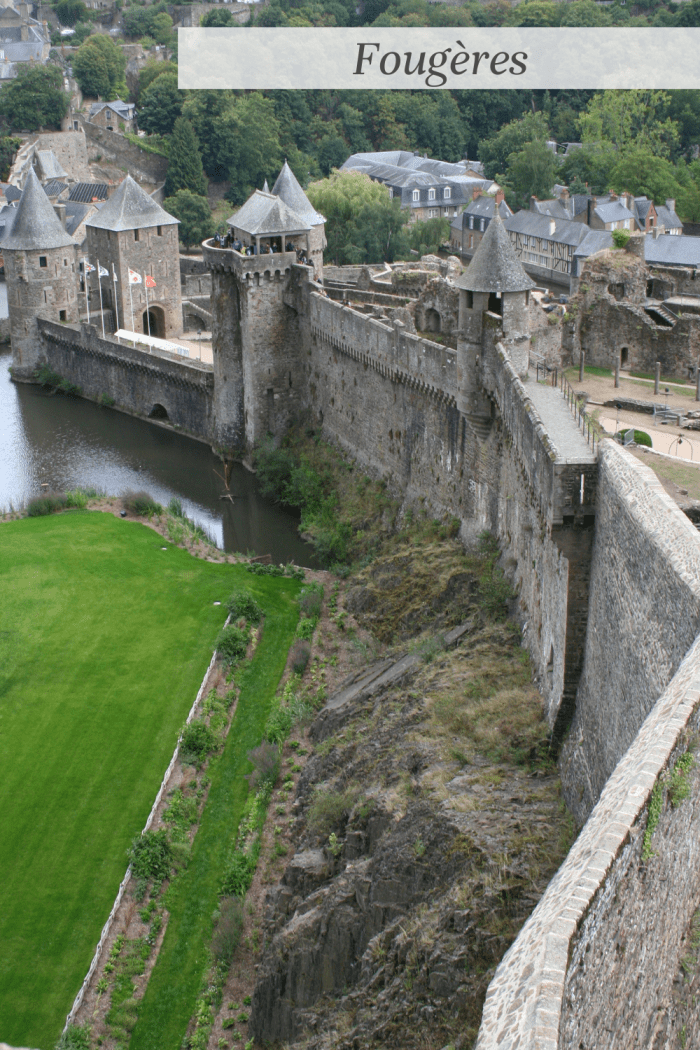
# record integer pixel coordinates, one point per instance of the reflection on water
(67, 442)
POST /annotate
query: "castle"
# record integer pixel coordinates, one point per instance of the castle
(605, 566)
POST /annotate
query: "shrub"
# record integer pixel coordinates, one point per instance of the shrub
(273, 467)
(175, 508)
(620, 238)
(640, 436)
(228, 926)
(278, 724)
(150, 855)
(48, 504)
(197, 741)
(238, 875)
(75, 1037)
(141, 504)
(329, 807)
(266, 765)
(77, 498)
(242, 605)
(310, 601)
(299, 655)
(232, 644)
(305, 629)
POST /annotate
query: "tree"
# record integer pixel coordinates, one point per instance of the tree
(161, 105)
(34, 99)
(99, 66)
(217, 19)
(185, 171)
(162, 28)
(363, 224)
(630, 119)
(69, 12)
(427, 237)
(643, 174)
(194, 214)
(495, 150)
(150, 72)
(536, 13)
(585, 13)
(332, 152)
(533, 170)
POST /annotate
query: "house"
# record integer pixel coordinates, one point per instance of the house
(430, 189)
(113, 116)
(468, 228)
(22, 39)
(660, 249)
(545, 245)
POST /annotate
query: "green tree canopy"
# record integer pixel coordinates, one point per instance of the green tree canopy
(194, 214)
(585, 13)
(510, 139)
(69, 12)
(185, 171)
(641, 173)
(630, 119)
(533, 170)
(363, 224)
(162, 28)
(217, 19)
(535, 13)
(34, 99)
(150, 72)
(427, 237)
(161, 105)
(99, 66)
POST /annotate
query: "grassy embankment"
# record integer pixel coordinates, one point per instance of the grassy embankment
(104, 641)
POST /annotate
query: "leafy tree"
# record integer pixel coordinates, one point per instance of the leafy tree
(689, 14)
(592, 164)
(585, 13)
(684, 110)
(185, 171)
(332, 152)
(533, 170)
(194, 214)
(150, 72)
(216, 19)
(630, 119)
(161, 105)
(536, 13)
(427, 237)
(495, 150)
(34, 99)
(69, 12)
(162, 28)
(82, 31)
(8, 147)
(643, 174)
(99, 66)
(363, 224)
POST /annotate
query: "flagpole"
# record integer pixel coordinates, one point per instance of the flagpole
(131, 300)
(87, 288)
(148, 315)
(114, 286)
(102, 310)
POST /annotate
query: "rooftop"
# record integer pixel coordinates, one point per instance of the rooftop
(130, 208)
(288, 189)
(495, 266)
(36, 225)
(267, 215)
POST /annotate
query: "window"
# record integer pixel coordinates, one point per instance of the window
(42, 260)
(65, 262)
(160, 228)
(448, 192)
(433, 213)
(526, 241)
(481, 225)
(61, 315)
(391, 194)
(416, 195)
(431, 194)
(136, 235)
(471, 222)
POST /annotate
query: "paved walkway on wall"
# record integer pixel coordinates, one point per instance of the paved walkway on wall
(554, 411)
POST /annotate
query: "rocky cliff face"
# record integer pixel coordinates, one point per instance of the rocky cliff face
(428, 823)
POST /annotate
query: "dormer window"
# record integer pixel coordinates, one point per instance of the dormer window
(431, 195)
(471, 222)
(416, 195)
(448, 192)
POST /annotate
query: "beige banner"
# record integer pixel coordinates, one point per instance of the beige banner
(438, 58)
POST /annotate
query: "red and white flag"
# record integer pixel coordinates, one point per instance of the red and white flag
(134, 278)
(150, 281)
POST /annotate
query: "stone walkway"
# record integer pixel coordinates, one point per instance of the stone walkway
(554, 411)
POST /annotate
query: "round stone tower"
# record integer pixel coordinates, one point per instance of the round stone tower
(288, 189)
(40, 274)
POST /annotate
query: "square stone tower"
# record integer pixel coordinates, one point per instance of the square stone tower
(132, 232)
(40, 272)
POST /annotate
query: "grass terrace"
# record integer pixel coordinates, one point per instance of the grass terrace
(104, 640)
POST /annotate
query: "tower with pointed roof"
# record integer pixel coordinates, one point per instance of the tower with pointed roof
(132, 232)
(40, 271)
(494, 302)
(287, 187)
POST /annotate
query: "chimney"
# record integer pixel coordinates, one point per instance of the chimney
(592, 202)
(564, 194)
(533, 203)
(552, 227)
(60, 210)
(24, 32)
(671, 204)
(500, 196)
(613, 196)
(476, 193)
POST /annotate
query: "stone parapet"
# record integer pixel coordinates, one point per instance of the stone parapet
(228, 260)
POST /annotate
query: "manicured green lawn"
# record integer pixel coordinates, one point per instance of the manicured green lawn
(172, 990)
(104, 640)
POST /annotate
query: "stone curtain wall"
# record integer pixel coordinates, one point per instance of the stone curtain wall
(135, 379)
(644, 614)
(595, 961)
(150, 167)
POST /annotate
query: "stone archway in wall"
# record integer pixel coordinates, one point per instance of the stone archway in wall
(433, 321)
(153, 321)
(158, 412)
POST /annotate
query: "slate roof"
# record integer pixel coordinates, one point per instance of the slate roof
(288, 189)
(594, 241)
(266, 215)
(85, 192)
(12, 194)
(613, 211)
(405, 172)
(7, 216)
(122, 109)
(482, 208)
(36, 224)
(23, 51)
(130, 208)
(55, 188)
(667, 217)
(554, 208)
(672, 250)
(566, 231)
(642, 206)
(51, 167)
(75, 213)
(495, 266)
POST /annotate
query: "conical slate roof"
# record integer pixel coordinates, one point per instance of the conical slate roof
(130, 208)
(266, 188)
(292, 194)
(265, 215)
(35, 225)
(495, 267)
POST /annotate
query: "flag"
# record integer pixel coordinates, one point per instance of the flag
(88, 267)
(150, 281)
(102, 272)
(134, 278)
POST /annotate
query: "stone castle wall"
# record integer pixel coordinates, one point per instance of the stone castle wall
(138, 381)
(141, 165)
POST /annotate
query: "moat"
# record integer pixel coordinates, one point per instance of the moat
(65, 442)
